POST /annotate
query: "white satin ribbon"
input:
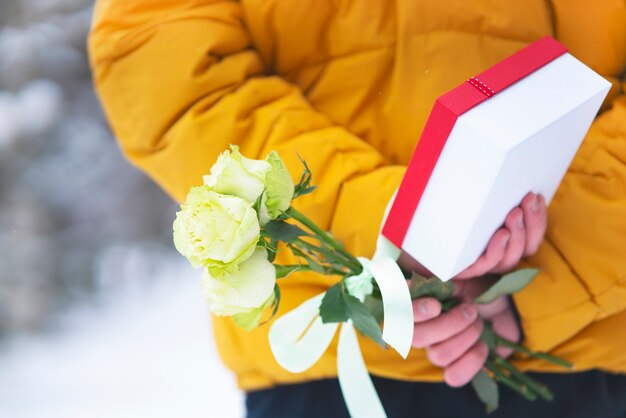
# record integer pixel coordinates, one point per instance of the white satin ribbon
(356, 385)
(397, 306)
(299, 338)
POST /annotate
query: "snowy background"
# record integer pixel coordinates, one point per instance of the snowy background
(99, 317)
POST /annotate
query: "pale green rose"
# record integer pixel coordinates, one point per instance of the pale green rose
(234, 174)
(245, 293)
(215, 231)
(279, 186)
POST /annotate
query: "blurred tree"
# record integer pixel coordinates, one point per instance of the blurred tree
(67, 197)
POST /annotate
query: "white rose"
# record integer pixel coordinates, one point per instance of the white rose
(245, 293)
(234, 174)
(215, 231)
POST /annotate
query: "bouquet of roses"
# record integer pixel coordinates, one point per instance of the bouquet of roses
(241, 217)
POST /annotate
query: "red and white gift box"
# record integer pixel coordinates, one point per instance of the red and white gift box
(510, 130)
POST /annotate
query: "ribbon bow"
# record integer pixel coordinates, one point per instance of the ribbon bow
(299, 338)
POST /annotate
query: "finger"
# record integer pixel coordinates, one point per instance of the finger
(517, 242)
(535, 221)
(444, 326)
(464, 369)
(425, 309)
(467, 290)
(506, 327)
(459, 287)
(450, 350)
(491, 258)
(493, 309)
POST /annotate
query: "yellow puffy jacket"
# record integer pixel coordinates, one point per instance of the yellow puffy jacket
(348, 85)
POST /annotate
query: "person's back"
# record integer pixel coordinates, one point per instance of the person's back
(348, 86)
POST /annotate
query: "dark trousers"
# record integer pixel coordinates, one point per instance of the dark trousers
(591, 394)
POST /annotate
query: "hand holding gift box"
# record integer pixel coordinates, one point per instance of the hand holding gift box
(511, 130)
(520, 236)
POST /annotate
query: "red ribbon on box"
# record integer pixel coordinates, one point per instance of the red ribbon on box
(443, 116)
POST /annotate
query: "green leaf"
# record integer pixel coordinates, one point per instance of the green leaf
(257, 204)
(363, 319)
(269, 244)
(272, 250)
(284, 271)
(488, 336)
(275, 304)
(307, 190)
(448, 304)
(487, 390)
(375, 306)
(313, 265)
(338, 267)
(508, 284)
(304, 185)
(333, 306)
(433, 287)
(276, 300)
(250, 320)
(283, 231)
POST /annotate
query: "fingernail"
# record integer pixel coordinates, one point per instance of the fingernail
(534, 205)
(468, 312)
(519, 222)
(425, 308)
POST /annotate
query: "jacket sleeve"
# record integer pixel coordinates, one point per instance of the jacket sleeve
(583, 260)
(181, 80)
